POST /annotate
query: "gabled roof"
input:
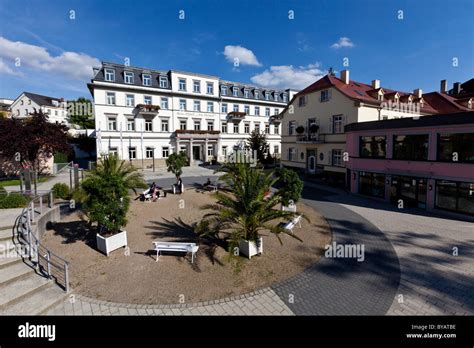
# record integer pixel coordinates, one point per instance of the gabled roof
(42, 100)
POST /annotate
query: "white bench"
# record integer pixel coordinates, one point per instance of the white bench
(176, 246)
(291, 224)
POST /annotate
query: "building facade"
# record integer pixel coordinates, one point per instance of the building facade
(144, 115)
(27, 103)
(313, 138)
(427, 162)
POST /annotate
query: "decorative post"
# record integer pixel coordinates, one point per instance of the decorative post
(27, 175)
(76, 175)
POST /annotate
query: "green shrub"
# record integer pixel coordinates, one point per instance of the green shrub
(12, 200)
(290, 184)
(61, 190)
(60, 157)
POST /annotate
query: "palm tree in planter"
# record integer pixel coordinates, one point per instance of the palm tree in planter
(241, 214)
(106, 200)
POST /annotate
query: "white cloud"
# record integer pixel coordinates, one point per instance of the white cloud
(6, 70)
(244, 55)
(288, 76)
(74, 65)
(343, 42)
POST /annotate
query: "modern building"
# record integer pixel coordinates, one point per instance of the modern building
(313, 138)
(426, 162)
(27, 103)
(144, 115)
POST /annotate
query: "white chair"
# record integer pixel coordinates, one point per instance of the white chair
(292, 223)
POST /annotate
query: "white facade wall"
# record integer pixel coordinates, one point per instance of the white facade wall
(23, 106)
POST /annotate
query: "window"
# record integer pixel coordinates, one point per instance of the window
(197, 105)
(257, 111)
(285, 98)
(148, 125)
(210, 88)
(325, 95)
(291, 154)
(163, 82)
(276, 96)
(130, 124)
(22, 102)
(257, 127)
(247, 128)
(267, 96)
(111, 98)
(164, 126)
(372, 184)
(247, 109)
(224, 127)
(197, 125)
(182, 84)
(113, 151)
(146, 79)
(456, 146)
(224, 151)
(246, 93)
(165, 151)
(149, 152)
(236, 107)
(128, 77)
(267, 128)
(455, 196)
(130, 100)
(112, 123)
(302, 101)
(210, 106)
(29, 101)
(267, 111)
(257, 94)
(276, 129)
(224, 108)
(374, 147)
(196, 86)
(18, 112)
(276, 112)
(182, 104)
(210, 150)
(291, 127)
(410, 147)
(210, 125)
(132, 153)
(147, 100)
(110, 75)
(235, 91)
(276, 149)
(182, 124)
(55, 112)
(337, 158)
(223, 90)
(338, 124)
(236, 128)
(164, 103)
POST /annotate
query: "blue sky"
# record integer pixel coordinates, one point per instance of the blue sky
(56, 52)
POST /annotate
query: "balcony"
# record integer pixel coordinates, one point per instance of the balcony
(275, 119)
(147, 110)
(236, 116)
(310, 138)
(197, 134)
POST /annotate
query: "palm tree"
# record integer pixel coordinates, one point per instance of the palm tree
(243, 212)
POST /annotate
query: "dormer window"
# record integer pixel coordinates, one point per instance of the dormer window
(285, 98)
(380, 96)
(163, 82)
(276, 96)
(257, 94)
(146, 79)
(235, 91)
(223, 90)
(267, 96)
(246, 93)
(128, 77)
(110, 75)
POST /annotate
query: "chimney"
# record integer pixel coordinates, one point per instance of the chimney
(375, 84)
(456, 88)
(418, 93)
(443, 86)
(345, 76)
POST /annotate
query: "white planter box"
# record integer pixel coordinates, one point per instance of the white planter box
(291, 208)
(109, 244)
(250, 249)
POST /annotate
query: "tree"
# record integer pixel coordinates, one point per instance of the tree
(81, 113)
(85, 143)
(105, 192)
(31, 142)
(176, 162)
(244, 212)
(258, 142)
(290, 184)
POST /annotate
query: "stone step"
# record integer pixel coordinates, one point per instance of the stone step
(37, 303)
(6, 245)
(14, 272)
(15, 291)
(8, 261)
(6, 233)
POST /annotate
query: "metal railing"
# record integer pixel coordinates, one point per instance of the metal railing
(45, 261)
(60, 167)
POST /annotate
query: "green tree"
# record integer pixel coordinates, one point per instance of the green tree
(258, 142)
(105, 192)
(290, 185)
(244, 212)
(176, 162)
(81, 113)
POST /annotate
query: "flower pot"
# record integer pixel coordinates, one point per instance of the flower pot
(109, 244)
(250, 248)
(291, 208)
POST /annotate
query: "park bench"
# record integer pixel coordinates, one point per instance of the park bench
(177, 247)
(292, 223)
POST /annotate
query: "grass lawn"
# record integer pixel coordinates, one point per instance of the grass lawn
(13, 182)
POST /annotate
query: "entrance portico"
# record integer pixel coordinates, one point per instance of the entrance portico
(199, 146)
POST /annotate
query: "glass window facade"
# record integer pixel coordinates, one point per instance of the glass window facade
(454, 147)
(411, 147)
(374, 146)
(455, 196)
(372, 184)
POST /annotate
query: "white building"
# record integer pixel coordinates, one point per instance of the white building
(27, 103)
(145, 115)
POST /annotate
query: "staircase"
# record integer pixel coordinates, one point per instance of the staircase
(23, 291)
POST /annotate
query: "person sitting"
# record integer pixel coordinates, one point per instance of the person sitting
(206, 185)
(179, 185)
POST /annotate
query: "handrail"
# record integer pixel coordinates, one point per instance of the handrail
(56, 267)
(68, 165)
